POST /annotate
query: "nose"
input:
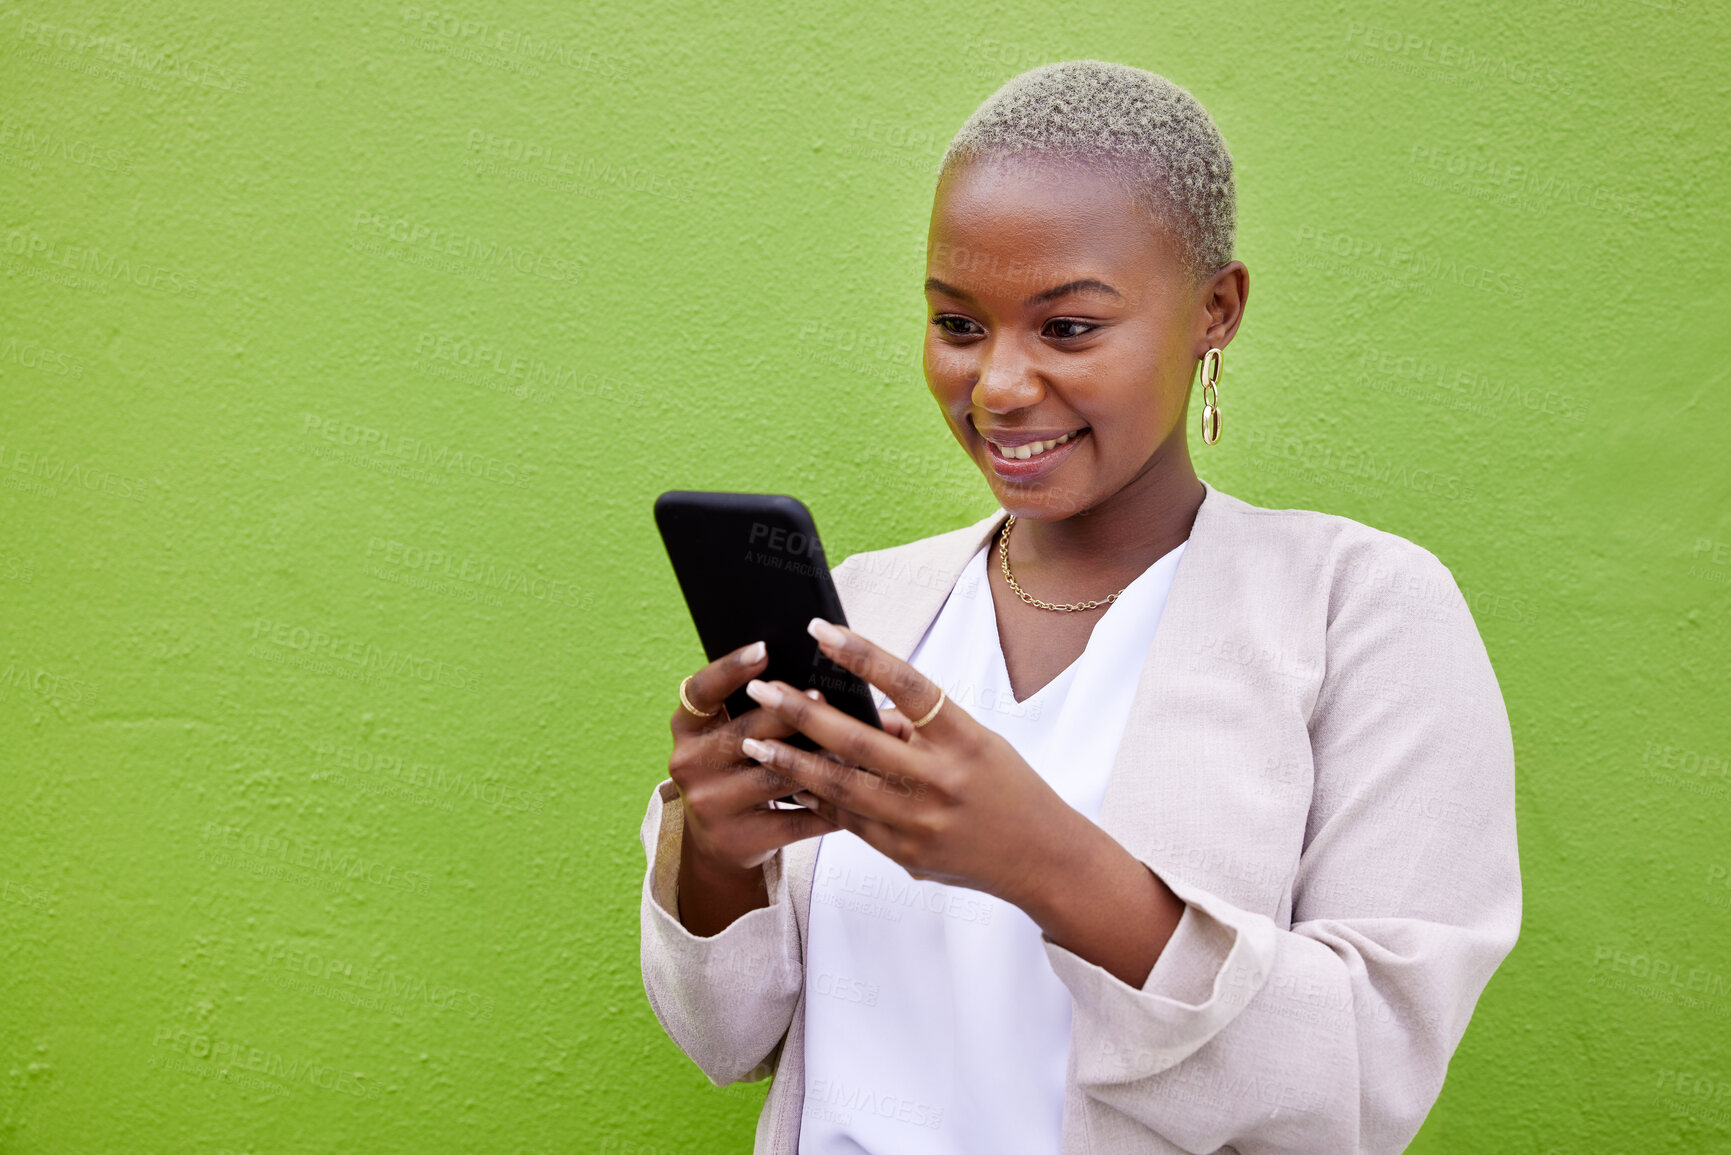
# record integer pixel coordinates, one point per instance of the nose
(1008, 379)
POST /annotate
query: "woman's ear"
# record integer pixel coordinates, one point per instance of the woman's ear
(1221, 296)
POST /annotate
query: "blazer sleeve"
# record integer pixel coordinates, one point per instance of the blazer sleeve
(1335, 1034)
(728, 999)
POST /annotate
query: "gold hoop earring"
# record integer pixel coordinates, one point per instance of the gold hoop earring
(1211, 397)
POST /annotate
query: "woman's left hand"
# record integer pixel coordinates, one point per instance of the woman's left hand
(951, 801)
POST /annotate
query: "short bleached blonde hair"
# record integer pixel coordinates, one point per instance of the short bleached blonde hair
(1138, 124)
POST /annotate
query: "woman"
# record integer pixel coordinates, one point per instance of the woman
(1192, 825)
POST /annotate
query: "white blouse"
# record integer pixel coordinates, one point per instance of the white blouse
(934, 1023)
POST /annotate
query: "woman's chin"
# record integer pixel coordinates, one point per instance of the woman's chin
(1044, 500)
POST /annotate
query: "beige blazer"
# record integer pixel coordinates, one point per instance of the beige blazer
(1318, 762)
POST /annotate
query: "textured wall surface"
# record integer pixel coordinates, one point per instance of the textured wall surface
(343, 351)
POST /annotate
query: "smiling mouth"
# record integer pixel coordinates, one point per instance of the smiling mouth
(1032, 449)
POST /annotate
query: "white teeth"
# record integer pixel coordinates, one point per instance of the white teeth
(1033, 449)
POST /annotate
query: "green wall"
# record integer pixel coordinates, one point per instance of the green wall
(342, 354)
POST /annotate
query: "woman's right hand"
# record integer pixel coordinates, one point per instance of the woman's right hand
(730, 825)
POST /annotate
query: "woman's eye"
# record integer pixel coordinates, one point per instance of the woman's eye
(953, 325)
(1066, 330)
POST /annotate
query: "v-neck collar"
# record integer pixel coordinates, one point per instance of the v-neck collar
(990, 609)
(898, 628)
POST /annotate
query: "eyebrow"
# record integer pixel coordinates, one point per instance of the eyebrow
(1044, 295)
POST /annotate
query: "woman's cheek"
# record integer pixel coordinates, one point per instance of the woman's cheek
(946, 374)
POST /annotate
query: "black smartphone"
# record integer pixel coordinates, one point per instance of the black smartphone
(752, 568)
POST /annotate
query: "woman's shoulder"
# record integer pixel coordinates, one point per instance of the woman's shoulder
(1329, 556)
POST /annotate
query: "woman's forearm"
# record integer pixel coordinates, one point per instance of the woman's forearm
(1099, 902)
(712, 896)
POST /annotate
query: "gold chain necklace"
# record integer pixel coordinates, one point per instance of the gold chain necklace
(1068, 607)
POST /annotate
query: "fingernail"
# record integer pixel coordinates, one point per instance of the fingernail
(763, 693)
(813, 695)
(753, 654)
(805, 799)
(761, 751)
(825, 633)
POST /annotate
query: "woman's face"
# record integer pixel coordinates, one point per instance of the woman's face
(1058, 313)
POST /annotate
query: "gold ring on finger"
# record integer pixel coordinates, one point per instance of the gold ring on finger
(686, 702)
(933, 712)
